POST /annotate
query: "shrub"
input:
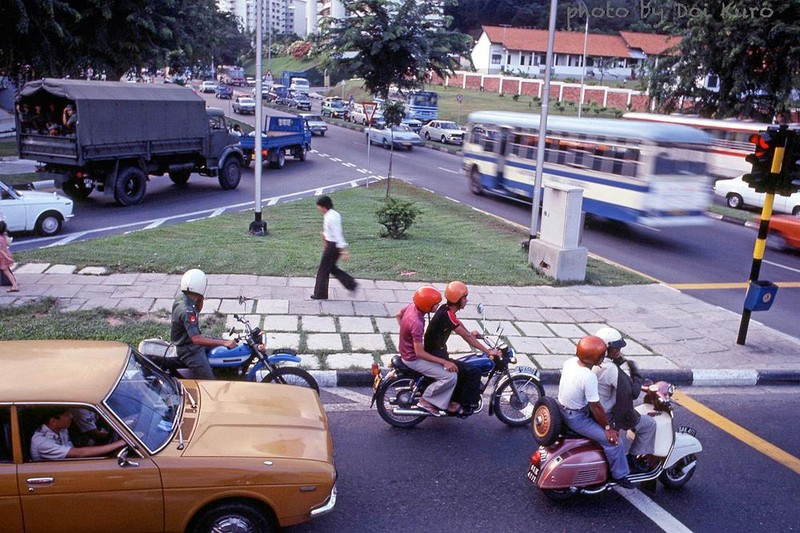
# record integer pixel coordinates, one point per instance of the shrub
(397, 216)
(515, 98)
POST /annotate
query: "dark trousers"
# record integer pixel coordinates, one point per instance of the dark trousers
(469, 384)
(196, 360)
(328, 268)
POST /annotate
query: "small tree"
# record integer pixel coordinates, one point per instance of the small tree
(393, 114)
(397, 216)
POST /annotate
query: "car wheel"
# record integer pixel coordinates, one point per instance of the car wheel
(775, 242)
(385, 144)
(444, 139)
(230, 174)
(796, 211)
(130, 187)
(49, 223)
(734, 200)
(427, 136)
(233, 516)
(180, 177)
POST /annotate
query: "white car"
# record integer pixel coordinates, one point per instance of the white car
(737, 194)
(244, 105)
(359, 116)
(208, 86)
(42, 212)
(401, 136)
(442, 130)
(315, 124)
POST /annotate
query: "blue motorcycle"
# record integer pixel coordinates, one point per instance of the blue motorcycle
(247, 361)
(512, 399)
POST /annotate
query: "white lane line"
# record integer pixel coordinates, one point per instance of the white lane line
(782, 266)
(349, 165)
(348, 394)
(448, 170)
(272, 201)
(319, 191)
(217, 213)
(336, 159)
(66, 240)
(453, 200)
(155, 223)
(363, 170)
(653, 511)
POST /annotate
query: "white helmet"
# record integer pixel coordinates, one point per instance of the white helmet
(611, 337)
(195, 281)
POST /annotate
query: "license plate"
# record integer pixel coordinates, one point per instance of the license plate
(528, 370)
(533, 473)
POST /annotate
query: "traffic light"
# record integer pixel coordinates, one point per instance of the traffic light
(789, 179)
(761, 177)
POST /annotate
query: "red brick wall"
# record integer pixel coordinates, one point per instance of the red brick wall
(473, 81)
(530, 88)
(593, 95)
(571, 94)
(639, 102)
(618, 100)
(492, 84)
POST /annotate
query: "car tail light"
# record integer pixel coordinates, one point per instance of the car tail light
(536, 458)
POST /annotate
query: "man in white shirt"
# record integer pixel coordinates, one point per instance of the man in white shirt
(581, 409)
(333, 247)
(51, 441)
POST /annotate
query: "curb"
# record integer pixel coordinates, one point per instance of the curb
(684, 378)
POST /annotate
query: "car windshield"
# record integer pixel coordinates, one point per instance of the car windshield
(401, 127)
(246, 101)
(313, 118)
(449, 125)
(147, 401)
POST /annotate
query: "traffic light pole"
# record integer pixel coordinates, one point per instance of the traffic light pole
(761, 242)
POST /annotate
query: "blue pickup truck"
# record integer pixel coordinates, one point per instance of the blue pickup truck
(282, 134)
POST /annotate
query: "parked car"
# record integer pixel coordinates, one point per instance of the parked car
(315, 124)
(333, 107)
(401, 136)
(784, 232)
(443, 131)
(29, 210)
(264, 453)
(244, 105)
(224, 92)
(413, 124)
(300, 101)
(208, 86)
(738, 194)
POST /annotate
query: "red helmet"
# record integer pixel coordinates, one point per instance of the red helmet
(591, 349)
(427, 298)
(455, 290)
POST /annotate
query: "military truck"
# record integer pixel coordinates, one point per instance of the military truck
(124, 133)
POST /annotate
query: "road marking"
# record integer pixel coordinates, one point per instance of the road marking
(363, 170)
(780, 266)
(652, 510)
(272, 201)
(217, 213)
(336, 159)
(738, 285)
(155, 223)
(735, 430)
(448, 170)
(66, 240)
(349, 165)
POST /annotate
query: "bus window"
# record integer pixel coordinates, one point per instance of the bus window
(679, 162)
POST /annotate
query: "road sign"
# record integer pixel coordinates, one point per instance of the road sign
(369, 110)
(459, 97)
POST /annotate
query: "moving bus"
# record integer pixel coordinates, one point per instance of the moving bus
(421, 105)
(730, 142)
(650, 174)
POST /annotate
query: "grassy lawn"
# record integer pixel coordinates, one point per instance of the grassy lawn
(745, 214)
(449, 241)
(8, 148)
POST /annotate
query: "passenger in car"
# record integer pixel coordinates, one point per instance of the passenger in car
(51, 441)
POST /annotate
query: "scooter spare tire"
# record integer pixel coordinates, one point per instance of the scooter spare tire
(546, 423)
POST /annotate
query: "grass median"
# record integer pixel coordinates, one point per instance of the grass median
(448, 241)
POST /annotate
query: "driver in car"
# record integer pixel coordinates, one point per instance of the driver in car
(51, 441)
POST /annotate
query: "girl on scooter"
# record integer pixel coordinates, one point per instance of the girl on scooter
(445, 322)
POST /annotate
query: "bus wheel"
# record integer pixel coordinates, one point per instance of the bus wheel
(475, 184)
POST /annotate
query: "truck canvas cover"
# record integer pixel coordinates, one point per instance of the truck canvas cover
(119, 112)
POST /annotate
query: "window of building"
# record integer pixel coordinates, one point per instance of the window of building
(496, 58)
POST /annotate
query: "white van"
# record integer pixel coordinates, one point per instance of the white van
(299, 85)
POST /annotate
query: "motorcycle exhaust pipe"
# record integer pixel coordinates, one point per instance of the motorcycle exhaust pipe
(411, 412)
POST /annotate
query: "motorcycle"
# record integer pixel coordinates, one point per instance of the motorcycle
(247, 361)
(567, 464)
(397, 391)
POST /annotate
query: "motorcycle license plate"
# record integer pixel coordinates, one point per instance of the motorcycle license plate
(533, 473)
(528, 370)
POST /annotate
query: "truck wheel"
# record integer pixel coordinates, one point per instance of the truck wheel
(248, 158)
(280, 159)
(49, 223)
(78, 189)
(230, 174)
(301, 153)
(180, 177)
(130, 187)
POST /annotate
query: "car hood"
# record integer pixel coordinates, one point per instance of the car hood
(404, 136)
(41, 197)
(238, 419)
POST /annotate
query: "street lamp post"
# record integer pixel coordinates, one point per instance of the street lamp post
(583, 62)
(258, 226)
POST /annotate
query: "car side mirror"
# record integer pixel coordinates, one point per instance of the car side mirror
(122, 458)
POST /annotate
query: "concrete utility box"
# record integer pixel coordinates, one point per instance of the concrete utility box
(556, 253)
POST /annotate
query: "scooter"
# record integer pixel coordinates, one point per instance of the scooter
(247, 361)
(567, 464)
(515, 391)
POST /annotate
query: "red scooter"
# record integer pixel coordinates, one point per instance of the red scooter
(567, 464)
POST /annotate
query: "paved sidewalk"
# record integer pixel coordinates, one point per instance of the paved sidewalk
(670, 335)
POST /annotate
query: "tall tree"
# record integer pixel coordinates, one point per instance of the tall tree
(389, 42)
(752, 47)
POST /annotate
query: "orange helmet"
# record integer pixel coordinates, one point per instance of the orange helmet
(591, 349)
(455, 290)
(427, 298)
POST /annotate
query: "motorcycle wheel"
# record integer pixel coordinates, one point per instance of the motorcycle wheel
(517, 409)
(397, 394)
(674, 477)
(290, 375)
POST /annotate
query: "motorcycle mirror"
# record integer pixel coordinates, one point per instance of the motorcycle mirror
(242, 300)
(481, 309)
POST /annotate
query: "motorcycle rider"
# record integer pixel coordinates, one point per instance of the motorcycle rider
(189, 342)
(617, 392)
(580, 406)
(412, 326)
(445, 322)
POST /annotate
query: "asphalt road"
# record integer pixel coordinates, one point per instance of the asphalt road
(719, 253)
(455, 475)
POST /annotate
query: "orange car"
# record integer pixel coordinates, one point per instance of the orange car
(784, 232)
(195, 456)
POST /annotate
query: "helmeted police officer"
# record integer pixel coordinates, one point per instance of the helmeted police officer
(189, 342)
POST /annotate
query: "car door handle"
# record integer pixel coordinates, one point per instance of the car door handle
(40, 480)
